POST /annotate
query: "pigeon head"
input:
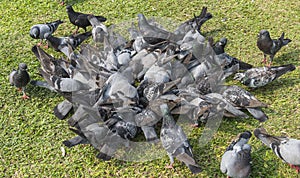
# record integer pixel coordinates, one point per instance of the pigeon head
(22, 67)
(259, 131)
(223, 41)
(69, 8)
(34, 32)
(245, 135)
(264, 34)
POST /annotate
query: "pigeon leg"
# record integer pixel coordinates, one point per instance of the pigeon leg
(265, 59)
(195, 125)
(46, 46)
(40, 43)
(295, 167)
(170, 166)
(76, 31)
(24, 94)
(62, 3)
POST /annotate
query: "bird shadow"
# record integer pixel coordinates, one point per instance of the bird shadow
(288, 58)
(39, 92)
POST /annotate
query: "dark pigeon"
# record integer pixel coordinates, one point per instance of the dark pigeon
(194, 23)
(20, 78)
(236, 159)
(175, 142)
(261, 76)
(80, 19)
(219, 46)
(51, 65)
(287, 149)
(66, 45)
(270, 46)
(42, 31)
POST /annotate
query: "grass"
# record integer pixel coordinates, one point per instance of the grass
(31, 137)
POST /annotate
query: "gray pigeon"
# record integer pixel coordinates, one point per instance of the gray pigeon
(175, 142)
(64, 84)
(261, 76)
(243, 99)
(42, 31)
(236, 159)
(20, 78)
(287, 149)
(270, 46)
(80, 19)
(99, 29)
(51, 65)
(66, 45)
(63, 109)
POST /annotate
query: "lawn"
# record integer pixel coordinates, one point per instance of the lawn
(31, 136)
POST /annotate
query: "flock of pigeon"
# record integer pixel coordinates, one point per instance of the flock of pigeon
(118, 88)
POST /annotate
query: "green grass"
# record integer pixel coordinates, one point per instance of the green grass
(31, 137)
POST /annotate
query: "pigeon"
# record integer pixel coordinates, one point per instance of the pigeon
(219, 46)
(237, 157)
(287, 149)
(270, 46)
(63, 109)
(66, 45)
(79, 19)
(51, 65)
(64, 84)
(261, 76)
(20, 78)
(42, 31)
(243, 99)
(194, 23)
(175, 142)
(99, 29)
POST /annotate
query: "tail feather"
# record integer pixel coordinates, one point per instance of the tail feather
(244, 65)
(258, 114)
(284, 41)
(194, 169)
(101, 18)
(280, 70)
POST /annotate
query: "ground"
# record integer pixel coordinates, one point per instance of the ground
(31, 137)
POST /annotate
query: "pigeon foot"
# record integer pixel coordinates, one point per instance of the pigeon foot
(295, 167)
(25, 97)
(170, 166)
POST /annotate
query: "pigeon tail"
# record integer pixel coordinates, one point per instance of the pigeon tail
(284, 41)
(101, 18)
(258, 114)
(280, 70)
(194, 169)
(244, 65)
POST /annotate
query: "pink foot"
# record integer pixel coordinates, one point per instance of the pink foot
(194, 125)
(62, 3)
(25, 97)
(264, 61)
(169, 166)
(39, 44)
(295, 167)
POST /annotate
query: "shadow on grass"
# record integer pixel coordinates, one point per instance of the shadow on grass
(39, 92)
(288, 58)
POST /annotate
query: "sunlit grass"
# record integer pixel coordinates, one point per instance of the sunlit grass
(31, 137)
